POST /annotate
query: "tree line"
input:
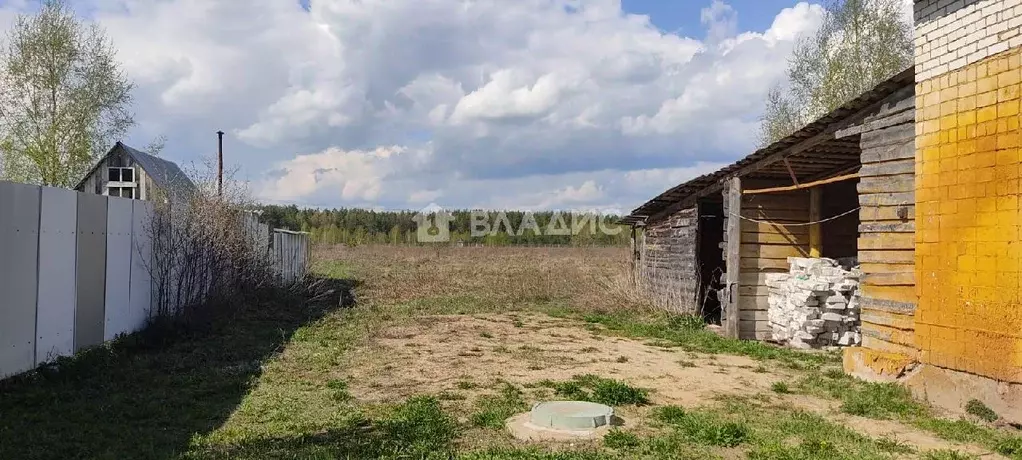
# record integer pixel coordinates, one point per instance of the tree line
(352, 226)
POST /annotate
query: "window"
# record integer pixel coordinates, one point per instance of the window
(123, 192)
(117, 174)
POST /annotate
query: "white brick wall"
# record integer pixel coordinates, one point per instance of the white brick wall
(951, 34)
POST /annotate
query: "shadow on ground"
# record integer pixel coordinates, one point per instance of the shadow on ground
(147, 394)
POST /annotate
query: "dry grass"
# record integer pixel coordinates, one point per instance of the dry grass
(591, 279)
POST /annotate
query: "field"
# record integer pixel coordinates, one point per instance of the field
(437, 347)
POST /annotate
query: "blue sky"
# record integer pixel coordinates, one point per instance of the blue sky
(555, 104)
(683, 15)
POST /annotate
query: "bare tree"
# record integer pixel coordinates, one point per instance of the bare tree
(62, 97)
(859, 44)
(208, 250)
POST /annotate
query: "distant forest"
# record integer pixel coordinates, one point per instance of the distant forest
(361, 226)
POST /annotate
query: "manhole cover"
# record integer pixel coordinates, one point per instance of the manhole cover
(570, 415)
(562, 421)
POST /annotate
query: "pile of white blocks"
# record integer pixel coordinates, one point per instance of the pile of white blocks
(815, 305)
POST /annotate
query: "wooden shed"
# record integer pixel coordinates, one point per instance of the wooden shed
(839, 187)
(131, 173)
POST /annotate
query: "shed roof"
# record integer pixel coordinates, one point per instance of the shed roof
(166, 174)
(811, 151)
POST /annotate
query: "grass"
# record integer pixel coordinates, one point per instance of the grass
(599, 390)
(272, 381)
(947, 454)
(780, 387)
(620, 439)
(682, 332)
(492, 410)
(891, 401)
(981, 411)
(703, 427)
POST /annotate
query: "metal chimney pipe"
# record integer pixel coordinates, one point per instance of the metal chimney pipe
(220, 163)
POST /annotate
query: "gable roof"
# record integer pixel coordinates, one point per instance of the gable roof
(822, 128)
(166, 174)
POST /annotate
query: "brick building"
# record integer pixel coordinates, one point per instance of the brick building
(964, 339)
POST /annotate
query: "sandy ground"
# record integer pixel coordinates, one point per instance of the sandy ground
(432, 354)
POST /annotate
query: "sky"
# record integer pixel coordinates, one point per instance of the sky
(399, 104)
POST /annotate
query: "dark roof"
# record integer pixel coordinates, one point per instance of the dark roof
(166, 174)
(832, 155)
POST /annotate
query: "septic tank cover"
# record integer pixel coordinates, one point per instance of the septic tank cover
(562, 420)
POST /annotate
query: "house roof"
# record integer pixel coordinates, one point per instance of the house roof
(811, 151)
(166, 174)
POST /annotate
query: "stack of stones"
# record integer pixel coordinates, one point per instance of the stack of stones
(815, 305)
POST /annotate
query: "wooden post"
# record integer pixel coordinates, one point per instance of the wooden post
(631, 258)
(815, 234)
(733, 256)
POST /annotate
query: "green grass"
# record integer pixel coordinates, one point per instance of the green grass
(599, 390)
(977, 408)
(780, 387)
(688, 333)
(148, 394)
(947, 454)
(492, 410)
(704, 428)
(892, 401)
(619, 439)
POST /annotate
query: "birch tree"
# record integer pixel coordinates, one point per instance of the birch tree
(859, 44)
(63, 99)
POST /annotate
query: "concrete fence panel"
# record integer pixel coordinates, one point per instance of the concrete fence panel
(117, 311)
(91, 275)
(19, 247)
(58, 241)
(141, 291)
(75, 270)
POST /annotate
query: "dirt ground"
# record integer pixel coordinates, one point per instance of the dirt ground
(433, 354)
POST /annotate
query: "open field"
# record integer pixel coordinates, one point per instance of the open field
(440, 348)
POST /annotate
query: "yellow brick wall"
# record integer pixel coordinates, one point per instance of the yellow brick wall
(968, 223)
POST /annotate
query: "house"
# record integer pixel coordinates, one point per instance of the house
(130, 173)
(936, 168)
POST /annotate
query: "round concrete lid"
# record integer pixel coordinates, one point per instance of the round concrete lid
(570, 415)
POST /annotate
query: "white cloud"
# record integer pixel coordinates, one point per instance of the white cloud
(530, 103)
(720, 20)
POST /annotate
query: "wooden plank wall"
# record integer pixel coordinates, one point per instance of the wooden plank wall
(667, 265)
(765, 249)
(887, 228)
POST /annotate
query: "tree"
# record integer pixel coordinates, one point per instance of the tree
(63, 100)
(859, 44)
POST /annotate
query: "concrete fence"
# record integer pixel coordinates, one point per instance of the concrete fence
(74, 270)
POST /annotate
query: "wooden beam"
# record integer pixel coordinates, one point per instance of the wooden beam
(808, 185)
(733, 257)
(815, 233)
